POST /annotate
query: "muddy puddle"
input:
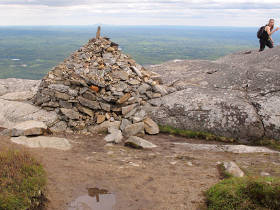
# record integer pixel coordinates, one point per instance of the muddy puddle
(95, 199)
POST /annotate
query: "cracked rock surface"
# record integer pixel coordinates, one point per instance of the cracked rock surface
(235, 96)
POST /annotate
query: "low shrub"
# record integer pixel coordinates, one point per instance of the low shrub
(22, 181)
(193, 134)
(271, 143)
(245, 193)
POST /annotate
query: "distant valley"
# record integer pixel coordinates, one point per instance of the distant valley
(30, 52)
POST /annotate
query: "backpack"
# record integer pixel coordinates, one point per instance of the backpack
(260, 32)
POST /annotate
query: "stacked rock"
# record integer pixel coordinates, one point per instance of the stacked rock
(99, 83)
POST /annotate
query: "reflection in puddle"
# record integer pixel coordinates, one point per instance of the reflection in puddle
(96, 199)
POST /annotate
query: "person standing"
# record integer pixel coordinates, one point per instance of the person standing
(265, 39)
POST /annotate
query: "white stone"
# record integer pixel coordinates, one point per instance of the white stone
(233, 169)
(265, 174)
(115, 136)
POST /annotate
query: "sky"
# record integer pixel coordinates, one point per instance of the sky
(139, 12)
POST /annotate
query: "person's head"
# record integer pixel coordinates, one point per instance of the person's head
(271, 24)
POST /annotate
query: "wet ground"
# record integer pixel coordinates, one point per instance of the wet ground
(164, 178)
(95, 199)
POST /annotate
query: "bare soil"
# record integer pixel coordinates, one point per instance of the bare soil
(167, 177)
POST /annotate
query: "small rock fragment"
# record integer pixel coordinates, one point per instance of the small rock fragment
(233, 169)
(103, 127)
(151, 127)
(94, 88)
(70, 113)
(124, 124)
(100, 119)
(139, 143)
(124, 98)
(115, 136)
(134, 129)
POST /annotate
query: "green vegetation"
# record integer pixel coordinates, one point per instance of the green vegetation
(271, 143)
(22, 181)
(245, 193)
(193, 134)
(223, 173)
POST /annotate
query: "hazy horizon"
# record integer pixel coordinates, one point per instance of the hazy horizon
(31, 51)
(139, 12)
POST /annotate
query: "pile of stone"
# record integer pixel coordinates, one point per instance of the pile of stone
(98, 86)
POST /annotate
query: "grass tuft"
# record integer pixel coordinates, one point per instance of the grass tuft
(223, 173)
(270, 143)
(245, 193)
(193, 134)
(22, 181)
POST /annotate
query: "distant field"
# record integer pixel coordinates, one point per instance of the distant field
(30, 52)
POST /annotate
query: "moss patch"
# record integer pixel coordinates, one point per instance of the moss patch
(270, 143)
(245, 193)
(223, 173)
(193, 134)
(22, 181)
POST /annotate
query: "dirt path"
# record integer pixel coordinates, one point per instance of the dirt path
(168, 177)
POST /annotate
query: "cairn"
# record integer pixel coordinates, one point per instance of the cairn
(98, 84)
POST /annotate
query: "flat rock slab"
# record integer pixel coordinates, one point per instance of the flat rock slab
(18, 96)
(239, 149)
(28, 128)
(15, 85)
(236, 96)
(139, 143)
(14, 112)
(43, 142)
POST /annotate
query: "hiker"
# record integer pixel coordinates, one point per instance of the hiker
(265, 35)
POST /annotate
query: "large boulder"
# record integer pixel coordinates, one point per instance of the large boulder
(14, 112)
(236, 96)
(220, 112)
(28, 128)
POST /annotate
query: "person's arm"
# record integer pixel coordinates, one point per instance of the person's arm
(270, 32)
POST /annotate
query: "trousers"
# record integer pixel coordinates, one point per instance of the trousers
(264, 43)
